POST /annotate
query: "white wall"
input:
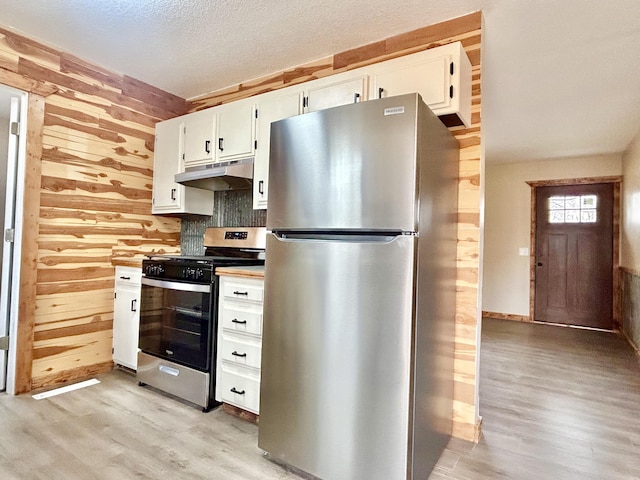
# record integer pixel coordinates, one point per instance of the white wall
(630, 225)
(508, 223)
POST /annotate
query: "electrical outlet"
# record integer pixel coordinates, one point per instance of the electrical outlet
(523, 251)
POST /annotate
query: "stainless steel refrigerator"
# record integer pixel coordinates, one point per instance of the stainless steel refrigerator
(358, 335)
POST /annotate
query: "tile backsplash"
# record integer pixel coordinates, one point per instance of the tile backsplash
(231, 208)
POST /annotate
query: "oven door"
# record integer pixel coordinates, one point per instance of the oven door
(176, 321)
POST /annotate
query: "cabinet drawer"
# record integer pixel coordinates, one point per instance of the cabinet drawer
(241, 391)
(241, 320)
(243, 291)
(240, 353)
(128, 276)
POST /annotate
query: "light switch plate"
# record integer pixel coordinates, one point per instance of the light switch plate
(523, 251)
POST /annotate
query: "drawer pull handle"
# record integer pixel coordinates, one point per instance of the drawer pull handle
(125, 278)
(236, 354)
(240, 322)
(240, 293)
(174, 372)
(233, 390)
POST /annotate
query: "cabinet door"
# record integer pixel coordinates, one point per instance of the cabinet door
(431, 79)
(167, 195)
(351, 90)
(126, 321)
(270, 109)
(199, 133)
(236, 129)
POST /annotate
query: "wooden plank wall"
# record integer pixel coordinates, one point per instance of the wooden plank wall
(94, 201)
(468, 30)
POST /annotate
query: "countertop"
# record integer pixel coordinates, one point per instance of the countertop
(254, 271)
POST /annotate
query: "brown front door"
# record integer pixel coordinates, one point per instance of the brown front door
(574, 255)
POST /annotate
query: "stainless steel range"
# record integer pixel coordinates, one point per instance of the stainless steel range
(179, 310)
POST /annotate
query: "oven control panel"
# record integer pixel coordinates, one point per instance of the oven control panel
(236, 235)
(178, 269)
(193, 274)
(153, 269)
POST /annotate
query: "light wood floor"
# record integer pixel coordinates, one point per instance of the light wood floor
(557, 404)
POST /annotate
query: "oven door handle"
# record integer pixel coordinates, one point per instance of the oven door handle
(185, 287)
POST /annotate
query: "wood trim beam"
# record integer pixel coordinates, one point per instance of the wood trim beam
(15, 80)
(506, 316)
(29, 256)
(420, 39)
(574, 181)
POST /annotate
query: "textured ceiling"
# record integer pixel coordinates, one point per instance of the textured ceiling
(560, 78)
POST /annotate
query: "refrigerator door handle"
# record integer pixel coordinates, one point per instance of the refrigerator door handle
(354, 237)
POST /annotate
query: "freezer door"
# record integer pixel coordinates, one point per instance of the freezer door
(349, 167)
(336, 356)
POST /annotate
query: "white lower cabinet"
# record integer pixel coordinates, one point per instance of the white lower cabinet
(126, 316)
(239, 342)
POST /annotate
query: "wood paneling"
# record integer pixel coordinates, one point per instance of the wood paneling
(466, 29)
(88, 200)
(29, 246)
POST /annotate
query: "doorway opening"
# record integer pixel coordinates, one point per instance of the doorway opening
(13, 108)
(574, 240)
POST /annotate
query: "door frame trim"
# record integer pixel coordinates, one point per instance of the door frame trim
(19, 380)
(617, 183)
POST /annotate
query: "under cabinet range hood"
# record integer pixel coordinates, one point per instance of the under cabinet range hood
(230, 175)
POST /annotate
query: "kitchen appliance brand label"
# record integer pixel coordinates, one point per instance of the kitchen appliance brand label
(393, 111)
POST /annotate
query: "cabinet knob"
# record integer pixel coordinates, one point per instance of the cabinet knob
(261, 187)
(220, 142)
(356, 97)
(380, 91)
(207, 146)
(133, 305)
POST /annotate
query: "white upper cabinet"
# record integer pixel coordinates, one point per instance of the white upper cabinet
(166, 163)
(272, 106)
(169, 197)
(427, 77)
(236, 130)
(241, 129)
(331, 92)
(442, 76)
(199, 135)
